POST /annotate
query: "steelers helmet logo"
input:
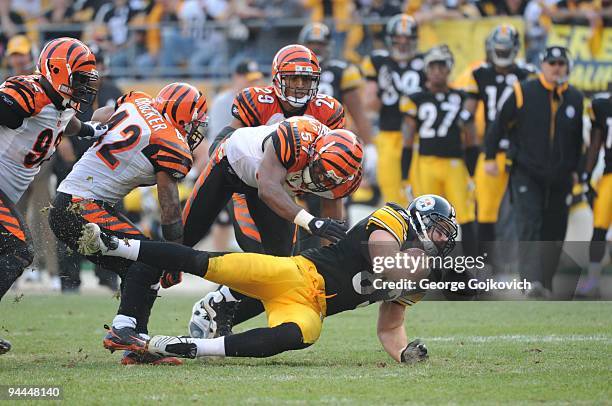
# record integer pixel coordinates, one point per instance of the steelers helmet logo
(425, 203)
(556, 52)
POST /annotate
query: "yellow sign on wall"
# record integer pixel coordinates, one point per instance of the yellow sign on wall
(466, 38)
(592, 54)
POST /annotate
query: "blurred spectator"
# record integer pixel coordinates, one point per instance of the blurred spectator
(432, 10)
(59, 21)
(11, 24)
(246, 74)
(19, 56)
(115, 18)
(490, 8)
(27, 8)
(184, 38)
(337, 15)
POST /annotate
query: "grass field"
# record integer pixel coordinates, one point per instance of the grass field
(480, 353)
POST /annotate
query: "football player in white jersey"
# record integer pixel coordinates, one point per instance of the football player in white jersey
(148, 141)
(35, 112)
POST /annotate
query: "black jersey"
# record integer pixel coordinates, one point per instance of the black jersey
(601, 117)
(493, 88)
(339, 77)
(346, 266)
(439, 121)
(394, 80)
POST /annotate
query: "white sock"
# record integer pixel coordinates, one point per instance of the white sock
(127, 249)
(121, 321)
(595, 270)
(210, 346)
(225, 291)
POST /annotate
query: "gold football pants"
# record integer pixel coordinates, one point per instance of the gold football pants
(290, 288)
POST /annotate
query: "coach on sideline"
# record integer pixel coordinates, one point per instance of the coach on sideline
(543, 121)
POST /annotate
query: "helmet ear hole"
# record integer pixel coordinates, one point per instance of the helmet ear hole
(56, 70)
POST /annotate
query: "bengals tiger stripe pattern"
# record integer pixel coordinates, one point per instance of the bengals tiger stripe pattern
(25, 94)
(94, 212)
(10, 219)
(255, 106)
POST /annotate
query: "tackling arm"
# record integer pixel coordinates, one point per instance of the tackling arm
(270, 183)
(90, 129)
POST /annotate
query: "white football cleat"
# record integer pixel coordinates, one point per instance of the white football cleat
(200, 325)
(92, 241)
(182, 347)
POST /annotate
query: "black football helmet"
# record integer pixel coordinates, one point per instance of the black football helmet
(402, 26)
(317, 37)
(429, 213)
(502, 45)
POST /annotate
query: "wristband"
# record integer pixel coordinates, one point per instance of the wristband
(303, 218)
(173, 231)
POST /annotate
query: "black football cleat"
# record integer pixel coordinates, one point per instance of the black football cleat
(220, 313)
(5, 346)
(133, 358)
(125, 338)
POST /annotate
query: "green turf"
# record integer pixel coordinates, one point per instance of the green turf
(481, 353)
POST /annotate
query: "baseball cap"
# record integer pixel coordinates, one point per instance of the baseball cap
(556, 53)
(19, 44)
(250, 69)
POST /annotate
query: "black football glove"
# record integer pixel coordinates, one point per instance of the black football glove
(169, 279)
(330, 229)
(414, 352)
(92, 130)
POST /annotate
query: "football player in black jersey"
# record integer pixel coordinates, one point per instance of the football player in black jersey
(600, 112)
(446, 136)
(390, 74)
(491, 83)
(299, 292)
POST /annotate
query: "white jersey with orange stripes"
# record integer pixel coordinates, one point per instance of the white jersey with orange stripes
(24, 149)
(140, 142)
(292, 140)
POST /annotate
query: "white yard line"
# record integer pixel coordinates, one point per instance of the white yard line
(607, 339)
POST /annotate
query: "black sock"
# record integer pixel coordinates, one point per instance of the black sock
(137, 296)
(597, 249)
(173, 257)
(265, 342)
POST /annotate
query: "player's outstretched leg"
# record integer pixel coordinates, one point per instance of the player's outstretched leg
(163, 255)
(259, 343)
